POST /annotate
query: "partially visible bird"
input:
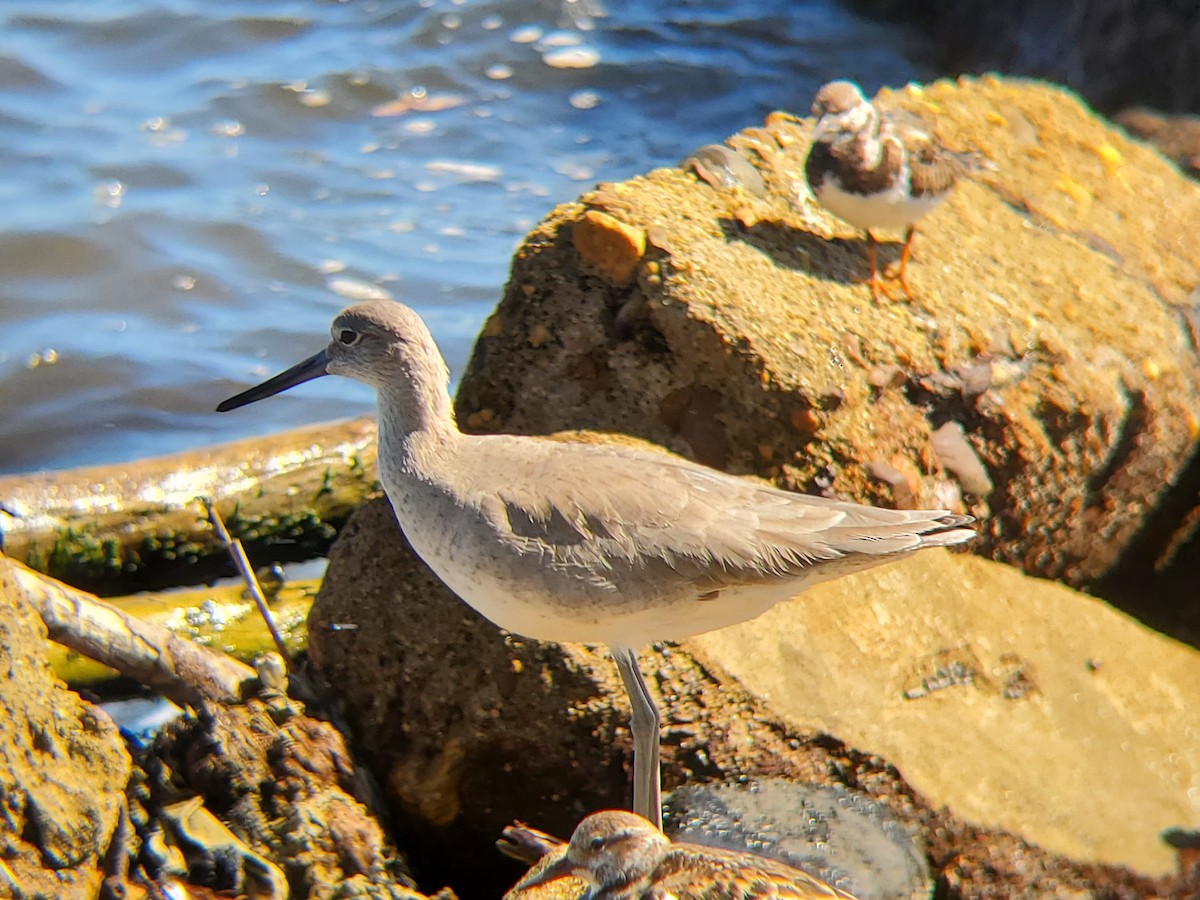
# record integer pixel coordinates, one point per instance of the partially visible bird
(622, 856)
(878, 170)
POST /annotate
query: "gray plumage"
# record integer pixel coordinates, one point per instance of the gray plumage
(586, 542)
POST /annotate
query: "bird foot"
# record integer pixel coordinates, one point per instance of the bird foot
(879, 287)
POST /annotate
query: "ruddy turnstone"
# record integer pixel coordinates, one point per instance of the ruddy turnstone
(622, 856)
(878, 171)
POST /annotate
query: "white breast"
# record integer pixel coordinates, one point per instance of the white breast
(893, 210)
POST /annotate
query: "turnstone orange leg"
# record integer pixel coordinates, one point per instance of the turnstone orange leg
(876, 280)
(905, 256)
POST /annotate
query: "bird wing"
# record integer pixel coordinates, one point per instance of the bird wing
(933, 169)
(622, 513)
(691, 872)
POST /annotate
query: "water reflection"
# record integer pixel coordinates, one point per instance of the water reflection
(189, 191)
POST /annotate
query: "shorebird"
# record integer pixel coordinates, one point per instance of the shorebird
(878, 170)
(590, 542)
(622, 856)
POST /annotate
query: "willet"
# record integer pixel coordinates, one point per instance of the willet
(622, 856)
(586, 542)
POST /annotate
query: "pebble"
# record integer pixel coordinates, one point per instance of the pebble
(608, 244)
(955, 452)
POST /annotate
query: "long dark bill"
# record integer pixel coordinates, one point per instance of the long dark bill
(313, 367)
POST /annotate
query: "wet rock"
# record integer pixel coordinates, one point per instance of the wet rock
(1066, 363)
(957, 692)
(204, 841)
(298, 809)
(63, 769)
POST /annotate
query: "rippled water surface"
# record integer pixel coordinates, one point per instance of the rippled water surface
(190, 190)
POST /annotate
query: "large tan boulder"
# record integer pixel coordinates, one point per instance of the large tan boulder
(1047, 343)
(1018, 703)
(63, 768)
(1037, 740)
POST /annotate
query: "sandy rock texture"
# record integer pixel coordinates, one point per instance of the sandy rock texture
(999, 695)
(63, 769)
(1045, 379)
(1036, 740)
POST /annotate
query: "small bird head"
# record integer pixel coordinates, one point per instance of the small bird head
(841, 106)
(608, 848)
(376, 342)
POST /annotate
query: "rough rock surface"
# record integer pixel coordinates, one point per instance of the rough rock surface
(63, 769)
(997, 694)
(1048, 326)
(468, 728)
(1176, 137)
(286, 785)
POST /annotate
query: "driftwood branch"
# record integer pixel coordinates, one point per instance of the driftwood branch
(117, 529)
(219, 617)
(186, 673)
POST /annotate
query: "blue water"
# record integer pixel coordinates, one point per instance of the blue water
(189, 191)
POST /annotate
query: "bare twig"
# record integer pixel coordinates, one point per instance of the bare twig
(234, 546)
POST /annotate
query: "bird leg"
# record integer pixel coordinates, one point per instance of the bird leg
(645, 724)
(905, 256)
(876, 282)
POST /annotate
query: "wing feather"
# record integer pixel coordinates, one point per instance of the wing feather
(618, 511)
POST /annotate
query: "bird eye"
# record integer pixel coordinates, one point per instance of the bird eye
(596, 844)
(348, 336)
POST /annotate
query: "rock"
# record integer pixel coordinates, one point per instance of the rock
(285, 783)
(1176, 137)
(63, 768)
(954, 452)
(1046, 327)
(1028, 707)
(609, 245)
(999, 695)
